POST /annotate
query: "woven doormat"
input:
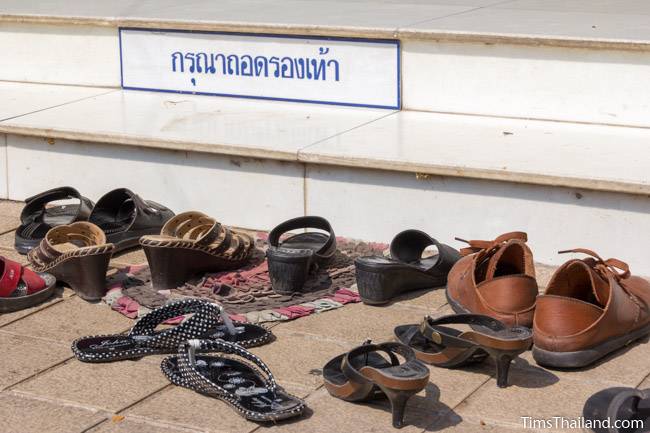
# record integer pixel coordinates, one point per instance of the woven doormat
(246, 294)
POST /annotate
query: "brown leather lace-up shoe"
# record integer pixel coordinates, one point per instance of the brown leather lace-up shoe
(495, 278)
(591, 308)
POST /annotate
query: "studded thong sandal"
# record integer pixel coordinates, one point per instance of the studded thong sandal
(21, 287)
(76, 254)
(291, 260)
(445, 346)
(208, 321)
(363, 374)
(37, 217)
(240, 384)
(192, 243)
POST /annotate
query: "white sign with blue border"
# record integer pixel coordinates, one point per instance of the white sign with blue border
(355, 72)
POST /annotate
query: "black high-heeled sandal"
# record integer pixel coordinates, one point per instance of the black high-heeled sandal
(363, 374)
(444, 346)
(292, 260)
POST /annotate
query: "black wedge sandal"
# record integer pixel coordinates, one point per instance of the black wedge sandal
(76, 254)
(444, 346)
(623, 405)
(36, 218)
(239, 384)
(291, 260)
(125, 217)
(209, 321)
(363, 374)
(380, 279)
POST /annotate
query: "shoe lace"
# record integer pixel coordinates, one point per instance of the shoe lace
(615, 268)
(487, 247)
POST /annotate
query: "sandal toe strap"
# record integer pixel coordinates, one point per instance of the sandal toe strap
(188, 366)
(206, 317)
(35, 205)
(356, 359)
(302, 223)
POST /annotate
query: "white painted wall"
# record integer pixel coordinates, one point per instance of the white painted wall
(58, 54)
(527, 82)
(237, 191)
(4, 193)
(360, 203)
(376, 205)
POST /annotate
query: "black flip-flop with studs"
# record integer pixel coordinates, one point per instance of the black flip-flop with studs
(208, 321)
(239, 383)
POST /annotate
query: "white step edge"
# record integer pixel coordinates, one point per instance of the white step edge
(595, 157)
(452, 25)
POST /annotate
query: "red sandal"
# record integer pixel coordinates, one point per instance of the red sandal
(21, 287)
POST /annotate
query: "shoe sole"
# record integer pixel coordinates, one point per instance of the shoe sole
(455, 305)
(583, 358)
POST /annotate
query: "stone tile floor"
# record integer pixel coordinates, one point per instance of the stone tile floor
(44, 389)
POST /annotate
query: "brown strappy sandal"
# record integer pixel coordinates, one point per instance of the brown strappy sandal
(444, 346)
(363, 374)
(192, 243)
(76, 254)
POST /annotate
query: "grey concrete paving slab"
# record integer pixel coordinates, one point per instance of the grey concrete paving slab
(7, 240)
(118, 424)
(453, 423)
(8, 223)
(26, 356)
(59, 295)
(11, 254)
(20, 414)
(625, 367)
(12, 209)
(428, 300)
(329, 415)
(130, 257)
(110, 386)
(182, 407)
(299, 358)
(355, 323)
(528, 396)
(66, 321)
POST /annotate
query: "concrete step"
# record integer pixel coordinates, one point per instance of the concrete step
(573, 60)
(371, 172)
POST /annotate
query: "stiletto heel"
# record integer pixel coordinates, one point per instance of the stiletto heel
(362, 373)
(445, 346)
(503, 366)
(398, 400)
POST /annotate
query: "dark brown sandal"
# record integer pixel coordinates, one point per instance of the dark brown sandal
(193, 243)
(445, 346)
(363, 374)
(76, 254)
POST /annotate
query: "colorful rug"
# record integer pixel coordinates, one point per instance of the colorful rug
(246, 294)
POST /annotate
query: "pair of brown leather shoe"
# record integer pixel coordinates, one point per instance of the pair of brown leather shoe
(591, 307)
